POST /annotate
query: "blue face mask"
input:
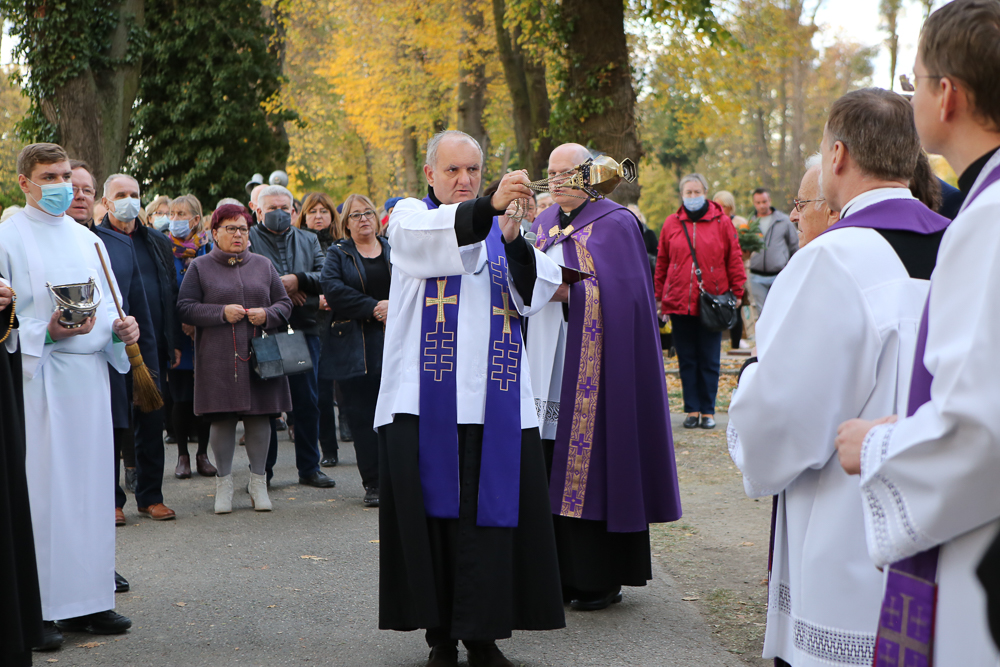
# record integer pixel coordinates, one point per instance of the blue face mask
(161, 222)
(126, 209)
(694, 203)
(56, 197)
(180, 228)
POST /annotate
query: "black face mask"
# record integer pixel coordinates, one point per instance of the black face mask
(278, 221)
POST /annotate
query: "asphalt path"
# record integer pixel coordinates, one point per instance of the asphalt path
(299, 586)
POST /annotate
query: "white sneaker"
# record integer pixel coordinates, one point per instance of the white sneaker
(258, 493)
(224, 494)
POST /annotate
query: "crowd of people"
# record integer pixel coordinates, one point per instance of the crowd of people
(497, 361)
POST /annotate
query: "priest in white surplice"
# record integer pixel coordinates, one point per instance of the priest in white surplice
(466, 542)
(835, 343)
(66, 397)
(929, 481)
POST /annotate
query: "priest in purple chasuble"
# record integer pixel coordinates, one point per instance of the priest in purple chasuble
(600, 393)
(467, 550)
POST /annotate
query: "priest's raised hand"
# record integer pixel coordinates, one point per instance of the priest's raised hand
(513, 186)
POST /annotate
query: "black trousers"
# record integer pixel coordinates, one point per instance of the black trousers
(698, 352)
(124, 437)
(360, 396)
(327, 419)
(148, 456)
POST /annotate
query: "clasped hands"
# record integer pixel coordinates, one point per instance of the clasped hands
(126, 329)
(851, 436)
(291, 283)
(234, 313)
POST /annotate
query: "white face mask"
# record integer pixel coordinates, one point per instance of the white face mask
(126, 209)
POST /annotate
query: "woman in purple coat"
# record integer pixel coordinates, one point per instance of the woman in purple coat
(230, 295)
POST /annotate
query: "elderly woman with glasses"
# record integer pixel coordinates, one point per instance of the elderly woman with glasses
(713, 238)
(231, 296)
(355, 280)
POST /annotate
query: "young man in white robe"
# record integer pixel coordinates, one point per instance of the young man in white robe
(67, 399)
(834, 343)
(929, 481)
(467, 549)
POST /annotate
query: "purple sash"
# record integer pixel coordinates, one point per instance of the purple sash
(909, 607)
(499, 477)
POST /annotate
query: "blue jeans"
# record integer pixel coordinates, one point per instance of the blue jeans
(698, 352)
(304, 388)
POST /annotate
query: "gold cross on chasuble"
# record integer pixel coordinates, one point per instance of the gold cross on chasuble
(506, 312)
(441, 300)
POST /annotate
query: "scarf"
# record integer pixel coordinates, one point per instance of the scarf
(187, 249)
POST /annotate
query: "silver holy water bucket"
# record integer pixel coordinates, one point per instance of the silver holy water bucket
(75, 302)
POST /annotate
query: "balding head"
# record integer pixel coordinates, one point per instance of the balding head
(563, 159)
(454, 166)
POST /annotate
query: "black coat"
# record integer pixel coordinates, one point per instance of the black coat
(161, 249)
(125, 266)
(356, 337)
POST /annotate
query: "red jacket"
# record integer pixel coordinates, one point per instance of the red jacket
(718, 249)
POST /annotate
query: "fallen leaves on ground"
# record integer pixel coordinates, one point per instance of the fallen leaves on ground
(91, 644)
(314, 558)
(181, 604)
(690, 598)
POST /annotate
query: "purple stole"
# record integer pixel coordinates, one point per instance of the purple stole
(909, 606)
(499, 476)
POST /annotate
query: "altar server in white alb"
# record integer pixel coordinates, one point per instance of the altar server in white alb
(836, 342)
(467, 549)
(929, 481)
(67, 398)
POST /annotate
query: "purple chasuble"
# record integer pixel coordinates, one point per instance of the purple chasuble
(499, 476)
(613, 458)
(909, 606)
(907, 215)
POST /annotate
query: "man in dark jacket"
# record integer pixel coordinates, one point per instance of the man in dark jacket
(781, 241)
(298, 258)
(155, 261)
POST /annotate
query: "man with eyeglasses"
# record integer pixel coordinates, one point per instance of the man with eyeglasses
(298, 258)
(810, 213)
(835, 342)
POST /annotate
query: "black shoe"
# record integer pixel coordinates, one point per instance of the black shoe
(691, 422)
(319, 480)
(52, 638)
(371, 496)
(102, 623)
(330, 461)
(707, 421)
(170, 440)
(443, 655)
(486, 654)
(597, 603)
(130, 478)
(281, 425)
(121, 583)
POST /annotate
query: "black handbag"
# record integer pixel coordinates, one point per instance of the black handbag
(717, 312)
(280, 354)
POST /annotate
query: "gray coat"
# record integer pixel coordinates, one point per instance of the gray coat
(210, 284)
(780, 242)
(298, 253)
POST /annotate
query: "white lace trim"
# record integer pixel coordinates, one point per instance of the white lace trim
(875, 448)
(736, 454)
(823, 642)
(548, 412)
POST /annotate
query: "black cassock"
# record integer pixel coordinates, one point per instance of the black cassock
(451, 576)
(593, 560)
(20, 601)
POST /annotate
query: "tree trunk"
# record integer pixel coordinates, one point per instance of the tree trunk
(411, 168)
(92, 111)
(599, 77)
(472, 80)
(529, 96)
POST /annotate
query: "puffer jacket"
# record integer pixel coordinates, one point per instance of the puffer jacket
(780, 242)
(715, 241)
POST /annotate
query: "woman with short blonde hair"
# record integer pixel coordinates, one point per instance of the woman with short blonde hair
(158, 213)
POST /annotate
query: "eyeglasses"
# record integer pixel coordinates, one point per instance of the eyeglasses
(357, 215)
(88, 192)
(908, 86)
(800, 204)
(236, 229)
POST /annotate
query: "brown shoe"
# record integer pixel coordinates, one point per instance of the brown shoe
(158, 512)
(183, 469)
(486, 654)
(119, 517)
(205, 467)
(443, 655)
